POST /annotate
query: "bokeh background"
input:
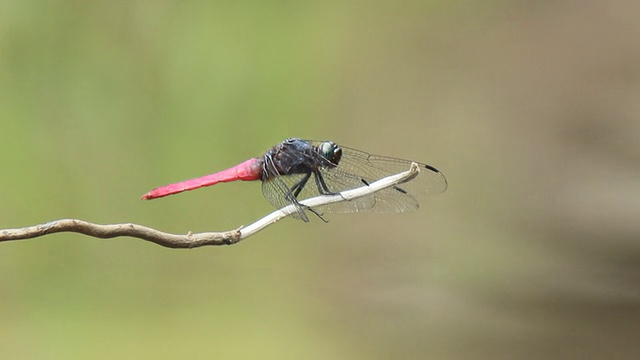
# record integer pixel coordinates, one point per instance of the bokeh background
(530, 108)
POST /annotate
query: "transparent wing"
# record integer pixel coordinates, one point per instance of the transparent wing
(277, 190)
(336, 181)
(357, 168)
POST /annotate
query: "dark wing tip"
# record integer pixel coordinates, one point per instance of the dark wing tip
(429, 167)
(444, 179)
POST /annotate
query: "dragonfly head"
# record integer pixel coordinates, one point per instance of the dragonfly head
(330, 151)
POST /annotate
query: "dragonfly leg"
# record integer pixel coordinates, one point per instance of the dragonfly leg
(300, 185)
(295, 191)
(317, 214)
(299, 214)
(321, 184)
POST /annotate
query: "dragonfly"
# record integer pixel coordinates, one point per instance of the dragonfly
(298, 169)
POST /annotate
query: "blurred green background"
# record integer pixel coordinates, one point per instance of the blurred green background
(529, 108)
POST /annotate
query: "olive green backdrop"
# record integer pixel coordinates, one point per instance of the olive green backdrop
(529, 108)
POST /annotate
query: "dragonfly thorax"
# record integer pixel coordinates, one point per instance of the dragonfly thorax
(295, 156)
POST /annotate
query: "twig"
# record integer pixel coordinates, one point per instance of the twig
(200, 239)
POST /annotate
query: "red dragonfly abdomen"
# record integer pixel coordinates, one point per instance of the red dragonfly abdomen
(246, 171)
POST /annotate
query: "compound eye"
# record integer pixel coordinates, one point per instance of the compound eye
(331, 152)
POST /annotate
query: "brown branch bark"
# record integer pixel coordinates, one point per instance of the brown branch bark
(114, 230)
